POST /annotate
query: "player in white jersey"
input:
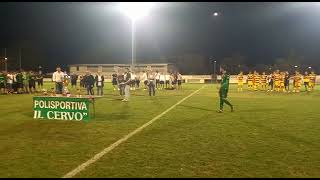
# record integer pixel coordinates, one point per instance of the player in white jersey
(162, 80)
(157, 76)
(145, 79)
(167, 76)
(137, 80)
(133, 81)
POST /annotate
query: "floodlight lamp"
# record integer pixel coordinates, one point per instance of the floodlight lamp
(135, 10)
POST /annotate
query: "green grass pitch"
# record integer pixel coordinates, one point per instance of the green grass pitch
(268, 135)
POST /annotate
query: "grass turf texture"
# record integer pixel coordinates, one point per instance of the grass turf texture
(270, 135)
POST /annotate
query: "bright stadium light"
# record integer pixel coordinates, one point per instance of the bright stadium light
(135, 11)
(215, 14)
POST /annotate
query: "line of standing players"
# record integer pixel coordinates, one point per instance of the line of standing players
(20, 82)
(277, 81)
(151, 80)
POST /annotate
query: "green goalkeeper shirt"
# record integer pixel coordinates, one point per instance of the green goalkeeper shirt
(2, 78)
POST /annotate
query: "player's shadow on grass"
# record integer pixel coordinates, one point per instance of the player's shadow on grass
(192, 107)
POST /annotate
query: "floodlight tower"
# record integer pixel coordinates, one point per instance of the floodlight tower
(135, 11)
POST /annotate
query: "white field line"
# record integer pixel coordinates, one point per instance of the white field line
(122, 140)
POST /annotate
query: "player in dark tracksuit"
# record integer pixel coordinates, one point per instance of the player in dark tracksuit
(223, 92)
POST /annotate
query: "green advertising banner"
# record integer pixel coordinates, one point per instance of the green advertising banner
(61, 108)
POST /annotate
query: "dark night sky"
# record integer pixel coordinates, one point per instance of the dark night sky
(75, 32)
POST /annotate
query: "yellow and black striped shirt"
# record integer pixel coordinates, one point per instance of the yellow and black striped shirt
(264, 79)
(312, 78)
(297, 78)
(240, 78)
(250, 77)
(276, 77)
(257, 78)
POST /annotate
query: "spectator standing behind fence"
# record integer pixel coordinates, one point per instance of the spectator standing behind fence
(89, 83)
(57, 77)
(99, 83)
(151, 83)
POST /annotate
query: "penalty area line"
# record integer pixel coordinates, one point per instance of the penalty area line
(124, 139)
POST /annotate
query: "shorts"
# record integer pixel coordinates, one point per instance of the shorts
(282, 84)
(286, 83)
(32, 85)
(167, 81)
(9, 86)
(145, 82)
(161, 82)
(137, 81)
(114, 82)
(306, 83)
(157, 81)
(250, 83)
(276, 83)
(19, 85)
(2, 85)
(179, 82)
(40, 82)
(311, 84)
(296, 84)
(240, 83)
(133, 81)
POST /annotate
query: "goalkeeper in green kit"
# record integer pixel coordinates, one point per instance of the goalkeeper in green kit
(223, 91)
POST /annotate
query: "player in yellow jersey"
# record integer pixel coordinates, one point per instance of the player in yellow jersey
(256, 80)
(277, 81)
(264, 78)
(312, 81)
(306, 80)
(297, 82)
(281, 80)
(250, 81)
(240, 81)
